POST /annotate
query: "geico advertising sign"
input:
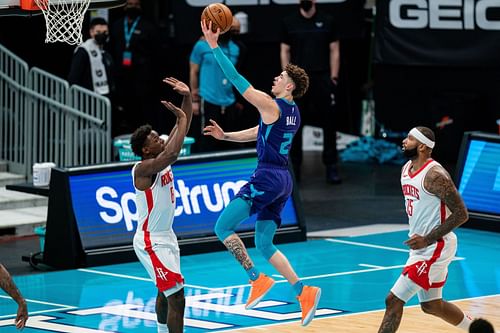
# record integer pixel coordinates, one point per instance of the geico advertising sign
(106, 212)
(203, 3)
(445, 14)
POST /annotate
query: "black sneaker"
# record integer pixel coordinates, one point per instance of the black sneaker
(332, 175)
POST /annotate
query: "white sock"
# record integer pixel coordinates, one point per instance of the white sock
(162, 328)
(465, 323)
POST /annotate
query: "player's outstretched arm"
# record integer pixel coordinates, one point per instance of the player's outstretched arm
(187, 101)
(263, 102)
(187, 105)
(247, 135)
(10, 288)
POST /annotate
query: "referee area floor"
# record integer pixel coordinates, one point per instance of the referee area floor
(355, 274)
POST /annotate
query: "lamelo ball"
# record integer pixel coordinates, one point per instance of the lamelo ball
(220, 15)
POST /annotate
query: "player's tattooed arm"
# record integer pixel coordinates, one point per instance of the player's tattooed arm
(238, 250)
(10, 288)
(438, 182)
(8, 285)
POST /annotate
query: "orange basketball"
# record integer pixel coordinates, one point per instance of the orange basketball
(220, 15)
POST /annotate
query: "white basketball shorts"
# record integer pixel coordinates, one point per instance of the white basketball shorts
(426, 270)
(160, 255)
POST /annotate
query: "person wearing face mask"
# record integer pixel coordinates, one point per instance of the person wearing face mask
(134, 45)
(310, 41)
(434, 208)
(213, 95)
(91, 66)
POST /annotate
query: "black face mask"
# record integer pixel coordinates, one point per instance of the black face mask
(133, 12)
(306, 5)
(101, 39)
(410, 153)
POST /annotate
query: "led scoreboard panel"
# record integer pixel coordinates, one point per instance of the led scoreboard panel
(478, 177)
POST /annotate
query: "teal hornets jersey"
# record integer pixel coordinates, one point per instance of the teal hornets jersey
(275, 140)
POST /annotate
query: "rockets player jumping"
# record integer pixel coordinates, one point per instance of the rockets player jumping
(155, 243)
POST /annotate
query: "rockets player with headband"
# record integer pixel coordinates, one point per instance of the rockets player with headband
(434, 208)
(271, 185)
(155, 243)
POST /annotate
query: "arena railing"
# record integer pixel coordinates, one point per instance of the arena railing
(42, 119)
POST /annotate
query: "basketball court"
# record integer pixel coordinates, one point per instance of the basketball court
(355, 274)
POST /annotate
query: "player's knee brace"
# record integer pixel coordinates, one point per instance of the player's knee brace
(264, 234)
(237, 210)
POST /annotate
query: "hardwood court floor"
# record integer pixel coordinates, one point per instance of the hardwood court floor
(414, 320)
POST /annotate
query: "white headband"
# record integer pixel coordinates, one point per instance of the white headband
(422, 138)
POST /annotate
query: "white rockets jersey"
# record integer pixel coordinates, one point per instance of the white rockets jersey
(425, 210)
(156, 205)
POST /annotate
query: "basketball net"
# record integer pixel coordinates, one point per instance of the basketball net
(63, 19)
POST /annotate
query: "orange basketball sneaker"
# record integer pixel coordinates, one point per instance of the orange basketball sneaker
(259, 289)
(309, 299)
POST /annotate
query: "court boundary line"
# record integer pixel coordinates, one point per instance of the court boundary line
(30, 313)
(382, 247)
(320, 276)
(40, 302)
(132, 277)
(367, 245)
(378, 268)
(61, 307)
(368, 270)
(345, 315)
(370, 266)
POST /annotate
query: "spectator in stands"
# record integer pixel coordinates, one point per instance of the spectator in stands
(213, 94)
(10, 288)
(309, 40)
(91, 66)
(241, 119)
(134, 45)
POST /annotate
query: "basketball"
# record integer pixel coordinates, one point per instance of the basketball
(220, 15)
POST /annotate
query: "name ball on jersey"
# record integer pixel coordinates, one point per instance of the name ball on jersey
(220, 16)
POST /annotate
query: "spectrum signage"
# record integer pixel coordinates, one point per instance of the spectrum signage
(105, 210)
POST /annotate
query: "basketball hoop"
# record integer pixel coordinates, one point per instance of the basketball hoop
(63, 19)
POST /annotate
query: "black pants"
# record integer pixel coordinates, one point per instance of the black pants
(227, 119)
(317, 108)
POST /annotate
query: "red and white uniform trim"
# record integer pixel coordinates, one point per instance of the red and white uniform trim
(427, 267)
(155, 243)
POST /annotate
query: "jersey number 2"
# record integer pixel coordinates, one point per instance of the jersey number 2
(285, 145)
